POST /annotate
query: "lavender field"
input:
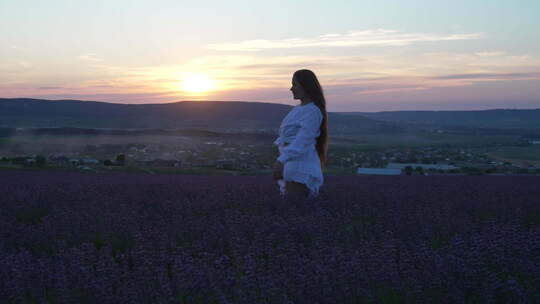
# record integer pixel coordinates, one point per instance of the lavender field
(71, 237)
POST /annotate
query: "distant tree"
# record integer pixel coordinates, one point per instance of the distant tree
(427, 160)
(4, 159)
(121, 159)
(420, 170)
(522, 171)
(408, 170)
(472, 170)
(40, 160)
(373, 163)
(107, 162)
(19, 160)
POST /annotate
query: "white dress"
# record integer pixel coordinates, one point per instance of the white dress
(300, 128)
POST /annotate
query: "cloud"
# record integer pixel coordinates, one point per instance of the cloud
(489, 54)
(365, 74)
(90, 57)
(342, 76)
(385, 88)
(23, 64)
(109, 97)
(378, 37)
(51, 88)
(19, 48)
(491, 76)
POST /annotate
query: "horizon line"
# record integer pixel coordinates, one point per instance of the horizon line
(475, 110)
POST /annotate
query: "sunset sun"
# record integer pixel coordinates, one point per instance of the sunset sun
(198, 84)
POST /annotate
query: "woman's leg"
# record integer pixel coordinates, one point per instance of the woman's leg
(296, 189)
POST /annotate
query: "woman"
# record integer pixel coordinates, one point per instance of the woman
(302, 140)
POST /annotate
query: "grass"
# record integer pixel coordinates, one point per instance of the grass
(521, 153)
(420, 139)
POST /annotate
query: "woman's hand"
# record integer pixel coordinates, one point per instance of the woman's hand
(278, 170)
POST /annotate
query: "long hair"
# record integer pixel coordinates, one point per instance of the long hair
(314, 91)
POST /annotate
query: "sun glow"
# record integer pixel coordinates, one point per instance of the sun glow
(197, 83)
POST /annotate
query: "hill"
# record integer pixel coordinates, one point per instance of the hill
(496, 118)
(218, 116)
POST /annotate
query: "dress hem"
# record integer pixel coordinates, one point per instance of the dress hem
(313, 183)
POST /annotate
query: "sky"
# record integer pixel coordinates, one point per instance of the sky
(368, 55)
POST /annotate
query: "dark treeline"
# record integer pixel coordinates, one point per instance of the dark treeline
(8, 132)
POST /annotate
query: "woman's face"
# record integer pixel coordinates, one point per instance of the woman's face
(297, 90)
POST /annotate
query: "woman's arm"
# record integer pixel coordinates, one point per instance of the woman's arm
(310, 124)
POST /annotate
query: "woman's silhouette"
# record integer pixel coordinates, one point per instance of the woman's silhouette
(303, 137)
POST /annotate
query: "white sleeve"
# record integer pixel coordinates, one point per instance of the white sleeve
(310, 124)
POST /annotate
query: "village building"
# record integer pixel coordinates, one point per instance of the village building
(74, 162)
(423, 166)
(159, 163)
(89, 161)
(59, 160)
(378, 171)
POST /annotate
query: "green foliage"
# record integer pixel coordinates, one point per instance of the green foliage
(522, 171)
(98, 241)
(408, 170)
(40, 160)
(120, 245)
(21, 160)
(472, 170)
(121, 159)
(521, 153)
